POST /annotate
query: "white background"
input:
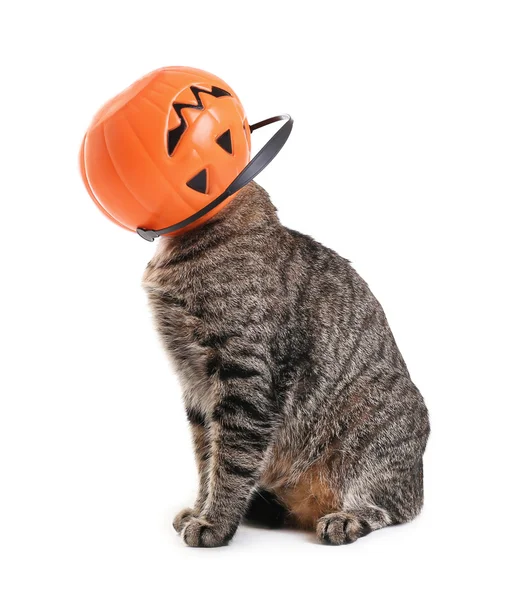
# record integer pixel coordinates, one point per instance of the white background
(398, 160)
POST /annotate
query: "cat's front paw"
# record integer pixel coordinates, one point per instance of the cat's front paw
(199, 533)
(182, 518)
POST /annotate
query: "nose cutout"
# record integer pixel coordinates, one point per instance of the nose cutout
(198, 183)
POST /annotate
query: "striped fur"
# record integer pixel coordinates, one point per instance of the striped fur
(301, 406)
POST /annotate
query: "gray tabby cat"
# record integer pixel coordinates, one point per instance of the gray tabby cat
(301, 406)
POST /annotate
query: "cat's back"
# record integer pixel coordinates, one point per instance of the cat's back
(328, 288)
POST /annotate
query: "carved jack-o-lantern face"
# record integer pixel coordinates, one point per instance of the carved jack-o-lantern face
(213, 130)
(164, 148)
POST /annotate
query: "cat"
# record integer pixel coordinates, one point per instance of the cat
(301, 407)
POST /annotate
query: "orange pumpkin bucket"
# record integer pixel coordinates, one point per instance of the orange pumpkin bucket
(171, 150)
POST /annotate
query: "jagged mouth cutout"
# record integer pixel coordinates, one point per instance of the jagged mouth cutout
(175, 134)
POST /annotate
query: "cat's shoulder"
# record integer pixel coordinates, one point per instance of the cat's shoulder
(313, 250)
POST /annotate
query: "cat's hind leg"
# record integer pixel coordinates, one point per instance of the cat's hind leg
(345, 527)
(390, 497)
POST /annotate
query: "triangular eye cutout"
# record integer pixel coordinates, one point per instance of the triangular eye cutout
(174, 136)
(225, 141)
(199, 182)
